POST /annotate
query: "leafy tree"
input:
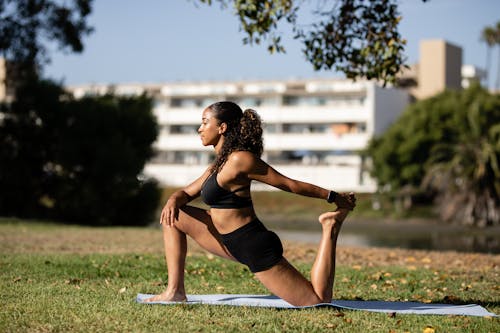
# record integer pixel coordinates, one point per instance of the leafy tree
(448, 146)
(357, 37)
(466, 173)
(61, 158)
(76, 160)
(28, 131)
(27, 26)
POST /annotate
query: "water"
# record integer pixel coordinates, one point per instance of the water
(428, 237)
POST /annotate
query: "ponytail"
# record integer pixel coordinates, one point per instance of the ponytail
(251, 132)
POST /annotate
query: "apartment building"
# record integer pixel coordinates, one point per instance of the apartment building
(314, 130)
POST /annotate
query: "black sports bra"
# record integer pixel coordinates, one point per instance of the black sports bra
(217, 197)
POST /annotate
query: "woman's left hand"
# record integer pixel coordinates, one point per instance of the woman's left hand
(346, 200)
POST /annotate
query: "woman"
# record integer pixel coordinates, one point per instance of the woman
(231, 229)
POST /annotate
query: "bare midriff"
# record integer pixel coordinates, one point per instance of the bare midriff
(227, 220)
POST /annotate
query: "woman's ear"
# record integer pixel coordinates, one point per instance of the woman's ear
(222, 128)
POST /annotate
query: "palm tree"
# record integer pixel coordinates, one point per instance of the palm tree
(497, 42)
(488, 36)
(466, 174)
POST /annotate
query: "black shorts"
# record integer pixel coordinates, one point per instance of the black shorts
(255, 246)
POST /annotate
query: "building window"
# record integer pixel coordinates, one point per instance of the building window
(183, 129)
(348, 128)
(177, 102)
(305, 128)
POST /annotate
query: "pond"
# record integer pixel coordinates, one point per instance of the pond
(408, 236)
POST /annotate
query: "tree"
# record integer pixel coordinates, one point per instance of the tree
(488, 36)
(466, 173)
(101, 151)
(61, 158)
(27, 26)
(76, 160)
(497, 42)
(491, 37)
(449, 147)
(357, 37)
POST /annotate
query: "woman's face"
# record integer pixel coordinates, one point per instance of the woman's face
(210, 131)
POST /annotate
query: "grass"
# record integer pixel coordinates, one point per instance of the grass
(80, 287)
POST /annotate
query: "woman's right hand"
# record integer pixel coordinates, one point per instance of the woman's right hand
(169, 213)
(346, 200)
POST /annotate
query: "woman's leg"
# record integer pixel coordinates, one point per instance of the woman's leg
(196, 223)
(286, 282)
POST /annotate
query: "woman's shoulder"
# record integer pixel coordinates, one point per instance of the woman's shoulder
(241, 156)
(242, 159)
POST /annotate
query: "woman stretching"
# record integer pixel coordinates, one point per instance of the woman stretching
(231, 229)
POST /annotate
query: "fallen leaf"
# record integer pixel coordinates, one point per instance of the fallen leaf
(429, 329)
(121, 291)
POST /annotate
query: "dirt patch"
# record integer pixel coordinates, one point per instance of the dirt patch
(35, 238)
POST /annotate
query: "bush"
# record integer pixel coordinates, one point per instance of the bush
(77, 160)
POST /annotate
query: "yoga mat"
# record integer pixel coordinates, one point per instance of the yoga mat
(374, 306)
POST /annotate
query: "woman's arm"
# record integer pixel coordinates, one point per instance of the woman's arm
(256, 169)
(180, 198)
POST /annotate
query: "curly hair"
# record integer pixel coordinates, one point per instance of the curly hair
(244, 131)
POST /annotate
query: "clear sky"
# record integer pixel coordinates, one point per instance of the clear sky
(176, 40)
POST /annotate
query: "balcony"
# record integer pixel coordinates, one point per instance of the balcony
(316, 114)
(275, 142)
(316, 141)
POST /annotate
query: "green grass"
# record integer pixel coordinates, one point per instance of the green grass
(44, 291)
(81, 293)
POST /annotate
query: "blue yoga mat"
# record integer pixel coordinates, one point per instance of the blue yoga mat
(374, 306)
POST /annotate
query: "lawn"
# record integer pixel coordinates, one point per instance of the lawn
(57, 278)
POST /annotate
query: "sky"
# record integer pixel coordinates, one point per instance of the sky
(152, 41)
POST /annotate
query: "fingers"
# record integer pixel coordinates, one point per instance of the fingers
(349, 201)
(168, 216)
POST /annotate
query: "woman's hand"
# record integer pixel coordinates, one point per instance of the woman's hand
(345, 200)
(169, 213)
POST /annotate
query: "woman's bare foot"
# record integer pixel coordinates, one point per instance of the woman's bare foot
(168, 296)
(333, 219)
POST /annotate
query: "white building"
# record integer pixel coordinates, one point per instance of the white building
(314, 129)
(471, 73)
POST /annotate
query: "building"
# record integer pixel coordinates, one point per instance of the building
(472, 74)
(314, 129)
(439, 68)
